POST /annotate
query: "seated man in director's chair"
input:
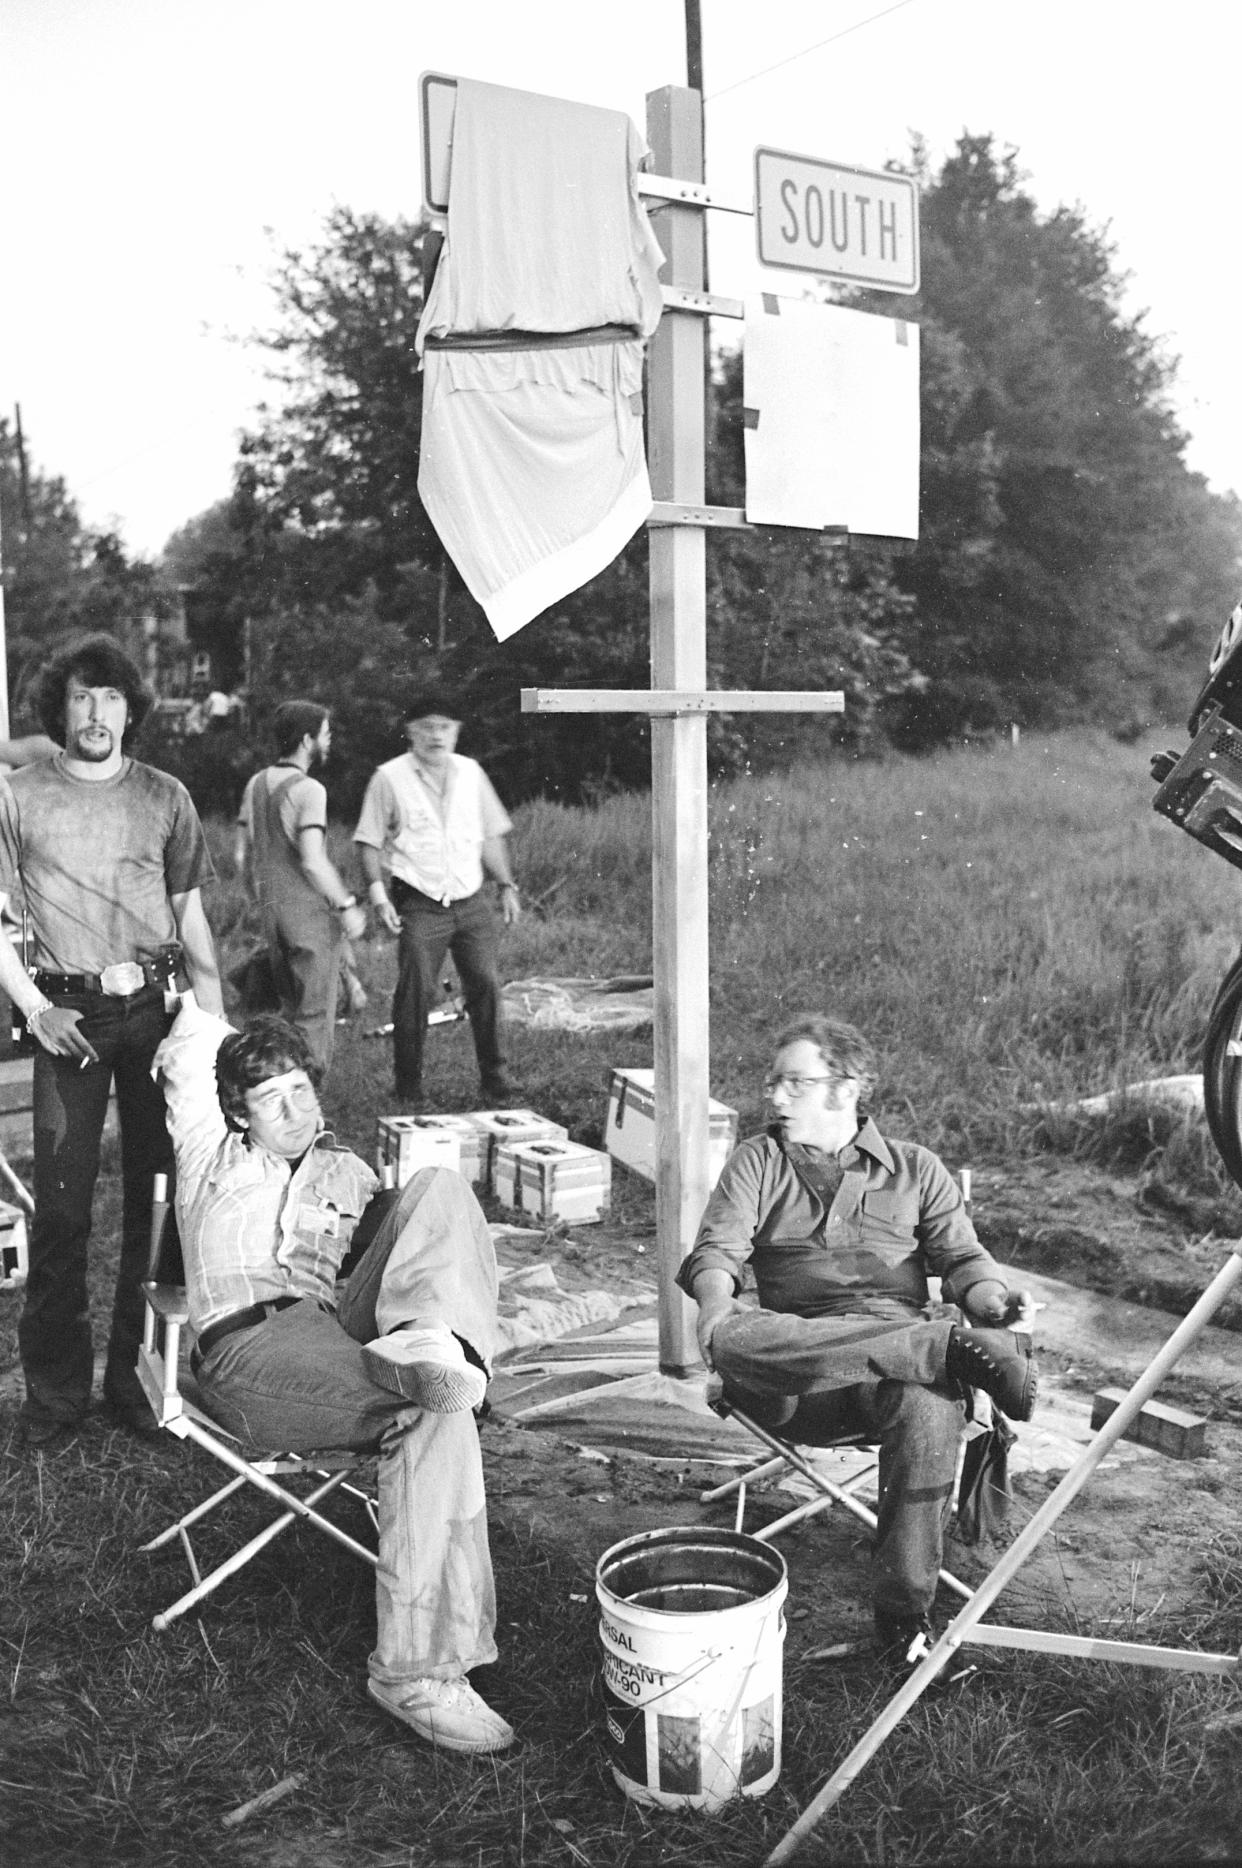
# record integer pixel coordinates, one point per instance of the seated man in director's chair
(842, 1229)
(267, 1207)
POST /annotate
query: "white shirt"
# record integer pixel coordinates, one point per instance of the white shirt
(432, 839)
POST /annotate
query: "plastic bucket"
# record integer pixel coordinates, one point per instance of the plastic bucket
(692, 1630)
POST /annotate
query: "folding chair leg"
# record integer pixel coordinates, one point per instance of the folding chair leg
(832, 1491)
(241, 1557)
(299, 1507)
(813, 1507)
(754, 1475)
(192, 1517)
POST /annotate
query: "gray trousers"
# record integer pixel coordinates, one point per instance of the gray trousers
(297, 1382)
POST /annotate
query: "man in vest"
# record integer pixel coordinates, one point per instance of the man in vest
(432, 831)
(282, 854)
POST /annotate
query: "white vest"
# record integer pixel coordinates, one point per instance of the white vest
(437, 845)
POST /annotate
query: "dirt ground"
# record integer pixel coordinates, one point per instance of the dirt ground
(1136, 1546)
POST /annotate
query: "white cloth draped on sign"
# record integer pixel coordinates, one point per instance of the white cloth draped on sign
(532, 467)
(831, 401)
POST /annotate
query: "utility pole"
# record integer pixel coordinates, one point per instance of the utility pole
(22, 473)
(694, 46)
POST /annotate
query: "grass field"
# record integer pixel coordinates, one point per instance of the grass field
(1015, 929)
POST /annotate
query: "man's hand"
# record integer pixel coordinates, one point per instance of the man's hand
(709, 1318)
(510, 905)
(58, 1032)
(998, 1307)
(387, 916)
(354, 921)
(1020, 1309)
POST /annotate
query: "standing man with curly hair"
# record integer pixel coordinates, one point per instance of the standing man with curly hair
(109, 858)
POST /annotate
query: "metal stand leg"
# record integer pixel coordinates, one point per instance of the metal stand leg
(960, 1629)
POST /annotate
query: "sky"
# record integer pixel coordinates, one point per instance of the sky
(160, 154)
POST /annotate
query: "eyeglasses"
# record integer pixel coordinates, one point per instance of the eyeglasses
(792, 1086)
(271, 1102)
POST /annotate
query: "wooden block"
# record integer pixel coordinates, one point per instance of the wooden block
(1168, 1429)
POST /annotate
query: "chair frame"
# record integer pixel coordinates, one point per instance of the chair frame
(785, 1457)
(159, 1371)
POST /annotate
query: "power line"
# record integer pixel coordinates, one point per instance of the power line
(806, 50)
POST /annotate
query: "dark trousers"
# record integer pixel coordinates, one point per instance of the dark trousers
(70, 1108)
(879, 1376)
(429, 930)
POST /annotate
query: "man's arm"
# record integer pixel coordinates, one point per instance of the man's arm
(713, 1293)
(970, 1275)
(194, 933)
(377, 888)
(28, 749)
(495, 855)
(711, 1272)
(325, 878)
(55, 1026)
(243, 857)
(377, 821)
(185, 1068)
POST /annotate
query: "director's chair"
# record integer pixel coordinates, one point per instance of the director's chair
(170, 1390)
(990, 1441)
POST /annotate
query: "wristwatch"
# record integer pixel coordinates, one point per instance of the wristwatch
(350, 901)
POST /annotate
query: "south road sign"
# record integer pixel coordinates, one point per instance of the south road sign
(861, 225)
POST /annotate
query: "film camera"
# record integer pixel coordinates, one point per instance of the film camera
(1201, 788)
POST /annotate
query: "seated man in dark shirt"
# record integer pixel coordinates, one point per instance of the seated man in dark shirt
(842, 1229)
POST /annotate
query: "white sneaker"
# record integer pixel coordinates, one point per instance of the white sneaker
(448, 1713)
(425, 1363)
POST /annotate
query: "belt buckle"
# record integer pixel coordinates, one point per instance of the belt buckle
(122, 979)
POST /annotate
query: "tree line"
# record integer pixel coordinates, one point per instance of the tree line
(1070, 567)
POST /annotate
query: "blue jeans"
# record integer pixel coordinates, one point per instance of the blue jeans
(882, 1377)
(70, 1108)
(297, 1382)
(467, 930)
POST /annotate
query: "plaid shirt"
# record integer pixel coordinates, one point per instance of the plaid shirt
(895, 1219)
(253, 1226)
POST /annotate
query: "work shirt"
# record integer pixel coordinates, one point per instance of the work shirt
(254, 1226)
(430, 839)
(896, 1218)
(97, 861)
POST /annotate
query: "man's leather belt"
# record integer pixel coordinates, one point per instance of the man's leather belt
(240, 1320)
(121, 981)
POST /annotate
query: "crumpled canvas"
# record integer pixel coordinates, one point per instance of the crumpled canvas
(985, 1491)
